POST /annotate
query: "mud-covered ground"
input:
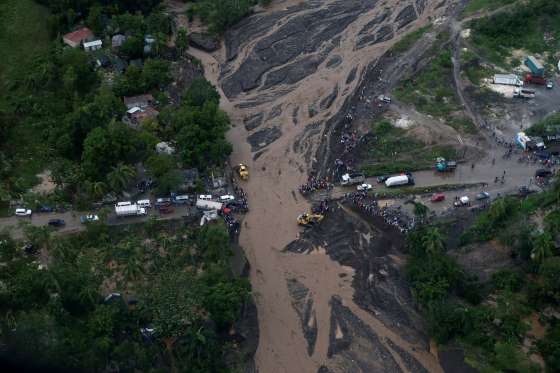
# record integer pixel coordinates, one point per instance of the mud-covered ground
(293, 77)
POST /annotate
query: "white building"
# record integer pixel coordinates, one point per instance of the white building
(93, 45)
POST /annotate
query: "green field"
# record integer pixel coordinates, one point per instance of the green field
(475, 6)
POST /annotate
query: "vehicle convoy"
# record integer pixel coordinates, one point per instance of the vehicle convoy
(399, 180)
(242, 171)
(129, 210)
(352, 179)
(507, 79)
(523, 93)
(443, 165)
(306, 219)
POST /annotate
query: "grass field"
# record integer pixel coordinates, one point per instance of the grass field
(395, 152)
(475, 6)
(409, 39)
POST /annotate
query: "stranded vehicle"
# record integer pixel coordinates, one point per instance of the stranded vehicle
(437, 197)
(306, 219)
(364, 187)
(443, 165)
(242, 171)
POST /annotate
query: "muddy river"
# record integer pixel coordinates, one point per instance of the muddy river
(331, 300)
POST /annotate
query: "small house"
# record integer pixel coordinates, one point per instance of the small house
(140, 101)
(135, 116)
(93, 45)
(117, 40)
(76, 38)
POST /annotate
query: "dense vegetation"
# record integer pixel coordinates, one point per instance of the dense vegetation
(60, 113)
(532, 26)
(491, 320)
(174, 281)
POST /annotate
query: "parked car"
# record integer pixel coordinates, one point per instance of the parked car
(23, 212)
(437, 197)
(180, 200)
(550, 84)
(364, 187)
(57, 223)
(166, 209)
(144, 203)
(88, 218)
(45, 208)
(227, 197)
(384, 98)
(482, 195)
(163, 201)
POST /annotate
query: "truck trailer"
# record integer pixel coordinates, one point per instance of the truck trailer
(204, 204)
(537, 69)
(535, 79)
(507, 79)
(129, 210)
(398, 181)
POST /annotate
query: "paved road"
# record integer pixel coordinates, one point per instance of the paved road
(72, 219)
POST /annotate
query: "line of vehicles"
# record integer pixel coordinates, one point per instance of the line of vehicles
(359, 179)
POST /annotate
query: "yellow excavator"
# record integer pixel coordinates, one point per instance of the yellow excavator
(306, 219)
(242, 171)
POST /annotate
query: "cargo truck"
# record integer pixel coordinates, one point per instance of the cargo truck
(537, 69)
(534, 79)
(129, 210)
(507, 79)
(352, 179)
(523, 93)
(399, 180)
(204, 204)
(443, 165)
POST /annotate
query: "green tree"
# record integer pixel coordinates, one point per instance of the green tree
(543, 248)
(550, 277)
(155, 74)
(121, 176)
(182, 41)
(200, 92)
(433, 242)
(133, 47)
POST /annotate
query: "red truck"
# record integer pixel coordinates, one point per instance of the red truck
(532, 79)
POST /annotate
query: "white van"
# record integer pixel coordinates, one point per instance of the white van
(144, 203)
(127, 203)
(227, 197)
(181, 199)
(205, 197)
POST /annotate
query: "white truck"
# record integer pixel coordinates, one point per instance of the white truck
(352, 179)
(398, 181)
(129, 210)
(523, 93)
(508, 79)
(204, 204)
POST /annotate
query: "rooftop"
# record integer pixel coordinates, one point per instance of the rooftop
(79, 35)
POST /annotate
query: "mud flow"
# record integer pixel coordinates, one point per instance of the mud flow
(332, 298)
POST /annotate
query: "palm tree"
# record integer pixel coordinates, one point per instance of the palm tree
(433, 242)
(543, 247)
(98, 189)
(121, 176)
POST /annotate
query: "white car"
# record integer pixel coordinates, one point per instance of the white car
(205, 197)
(549, 84)
(227, 197)
(88, 218)
(23, 212)
(364, 187)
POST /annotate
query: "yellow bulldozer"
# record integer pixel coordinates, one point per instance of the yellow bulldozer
(306, 219)
(242, 171)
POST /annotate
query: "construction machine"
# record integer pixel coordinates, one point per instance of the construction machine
(242, 171)
(306, 219)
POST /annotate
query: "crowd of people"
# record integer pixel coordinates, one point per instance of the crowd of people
(314, 184)
(391, 215)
